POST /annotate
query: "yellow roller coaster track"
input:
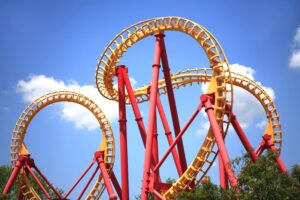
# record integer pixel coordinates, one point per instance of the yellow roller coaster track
(219, 84)
(208, 152)
(110, 58)
(218, 76)
(17, 146)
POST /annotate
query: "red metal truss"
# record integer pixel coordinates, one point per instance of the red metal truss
(26, 163)
(266, 143)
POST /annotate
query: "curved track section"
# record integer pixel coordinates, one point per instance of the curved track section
(208, 152)
(220, 75)
(110, 58)
(17, 141)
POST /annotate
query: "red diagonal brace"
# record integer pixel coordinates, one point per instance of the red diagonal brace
(116, 184)
(136, 111)
(268, 144)
(172, 102)
(79, 179)
(123, 133)
(37, 181)
(206, 99)
(168, 134)
(179, 136)
(14, 174)
(135, 108)
(99, 157)
(238, 129)
(149, 140)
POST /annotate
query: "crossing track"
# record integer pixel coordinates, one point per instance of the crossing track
(219, 84)
(17, 146)
(218, 76)
(208, 152)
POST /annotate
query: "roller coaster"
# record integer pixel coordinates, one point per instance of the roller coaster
(217, 102)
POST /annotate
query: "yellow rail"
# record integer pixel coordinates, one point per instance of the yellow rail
(18, 147)
(208, 152)
(219, 84)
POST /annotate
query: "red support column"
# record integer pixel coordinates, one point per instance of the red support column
(270, 145)
(14, 174)
(260, 148)
(99, 157)
(46, 180)
(156, 156)
(222, 171)
(136, 111)
(238, 129)
(116, 184)
(171, 147)
(223, 175)
(168, 134)
(88, 183)
(172, 102)
(149, 140)
(206, 100)
(158, 195)
(37, 181)
(79, 179)
(138, 116)
(123, 133)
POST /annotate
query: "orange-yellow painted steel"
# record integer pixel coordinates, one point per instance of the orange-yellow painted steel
(218, 75)
(208, 152)
(220, 84)
(18, 147)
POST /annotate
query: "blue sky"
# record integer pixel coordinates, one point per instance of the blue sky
(56, 44)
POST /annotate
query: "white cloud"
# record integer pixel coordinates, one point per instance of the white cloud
(246, 107)
(295, 57)
(244, 70)
(38, 85)
(262, 124)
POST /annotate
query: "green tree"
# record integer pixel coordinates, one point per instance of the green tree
(204, 191)
(260, 180)
(5, 172)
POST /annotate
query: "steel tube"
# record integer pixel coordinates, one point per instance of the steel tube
(270, 145)
(223, 175)
(158, 195)
(149, 140)
(79, 179)
(88, 183)
(106, 179)
(123, 134)
(134, 105)
(168, 135)
(172, 102)
(240, 132)
(178, 137)
(48, 182)
(116, 184)
(37, 181)
(205, 99)
(13, 176)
